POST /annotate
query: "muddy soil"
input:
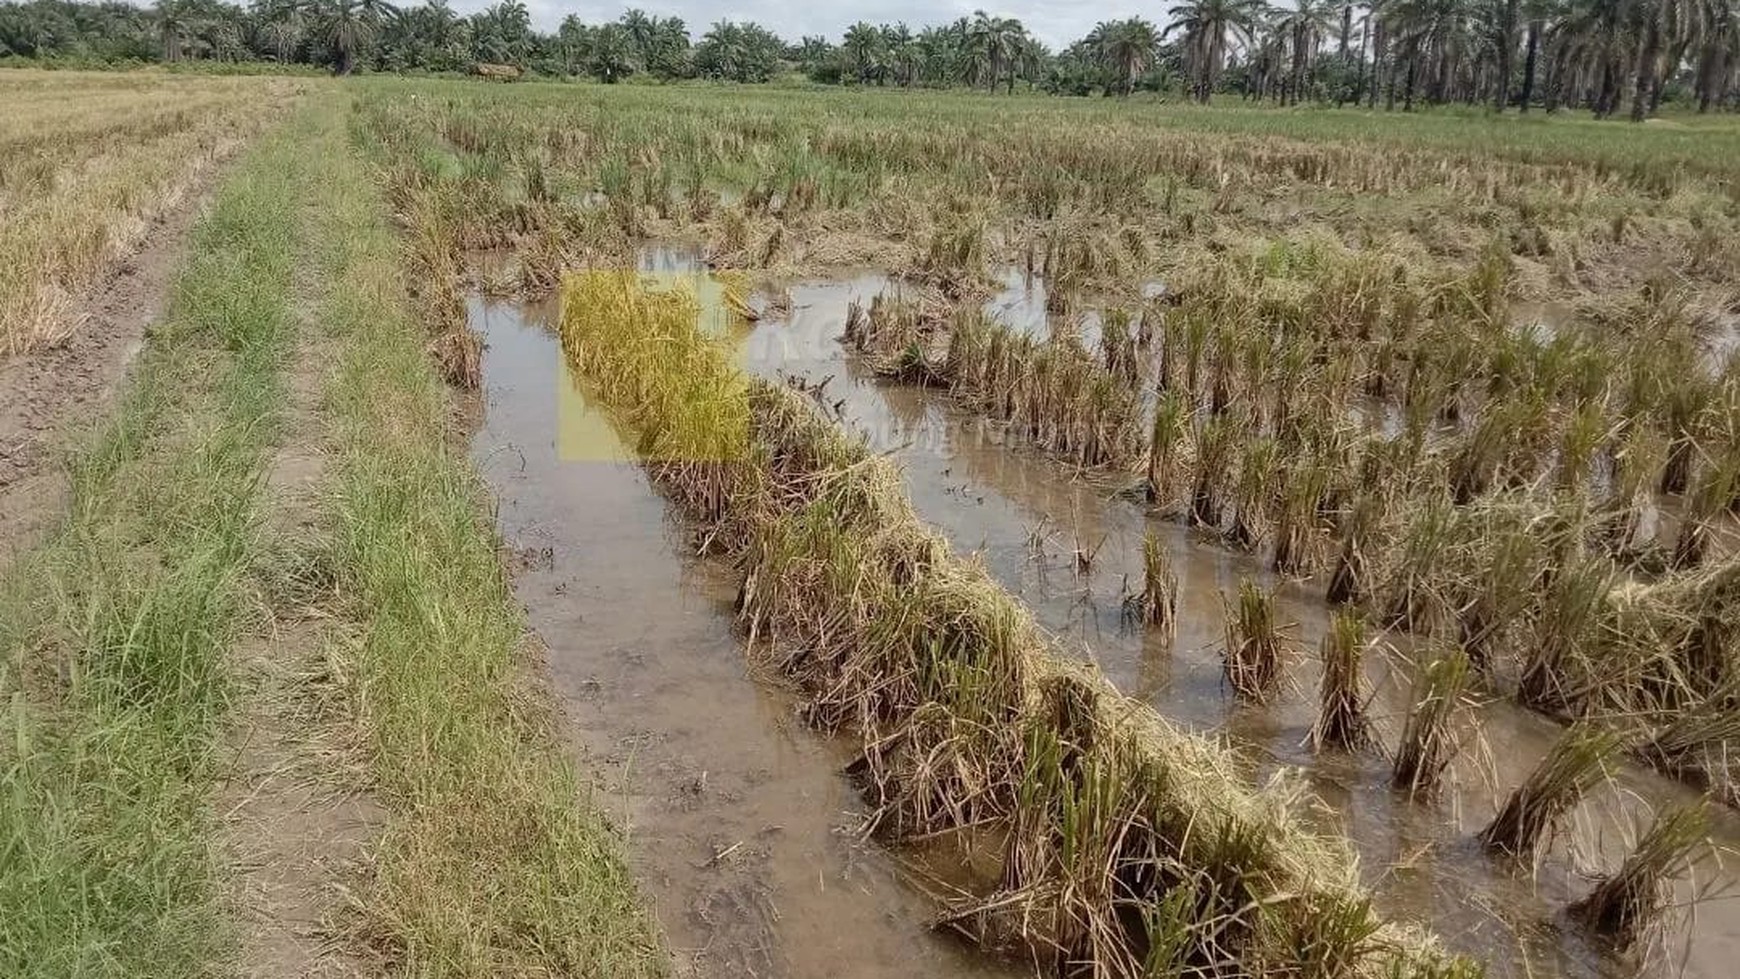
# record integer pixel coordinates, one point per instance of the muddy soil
(739, 823)
(46, 394)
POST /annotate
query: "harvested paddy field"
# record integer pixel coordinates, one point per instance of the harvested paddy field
(643, 531)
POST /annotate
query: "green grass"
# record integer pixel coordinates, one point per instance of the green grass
(492, 861)
(117, 685)
(115, 632)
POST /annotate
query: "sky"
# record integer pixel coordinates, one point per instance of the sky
(1057, 23)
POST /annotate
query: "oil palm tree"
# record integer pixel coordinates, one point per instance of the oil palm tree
(1126, 48)
(176, 22)
(1650, 14)
(992, 44)
(281, 27)
(1594, 41)
(1669, 28)
(350, 26)
(905, 57)
(1026, 59)
(1718, 52)
(612, 56)
(938, 51)
(1205, 26)
(1431, 38)
(864, 51)
(1304, 29)
(642, 31)
(1540, 13)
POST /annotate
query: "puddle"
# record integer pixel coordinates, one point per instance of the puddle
(740, 827)
(1021, 302)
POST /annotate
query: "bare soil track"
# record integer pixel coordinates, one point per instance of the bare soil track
(298, 831)
(45, 394)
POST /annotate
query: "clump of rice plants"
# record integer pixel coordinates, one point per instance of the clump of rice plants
(1684, 401)
(1254, 645)
(1157, 605)
(1636, 465)
(1299, 534)
(684, 398)
(1255, 490)
(1429, 738)
(1053, 391)
(1166, 447)
(1496, 589)
(1417, 601)
(1625, 906)
(896, 335)
(1714, 493)
(1341, 718)
(954, 255)
(1347, 584)
(1694, 741)
(1119, 347)
(1575, 763)
(1566, 636)
(1584, 434)
(1476, 463)
(1214, 448)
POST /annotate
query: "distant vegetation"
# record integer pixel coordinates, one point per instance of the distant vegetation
(1611, 57)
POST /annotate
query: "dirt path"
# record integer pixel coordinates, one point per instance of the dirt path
(299, 822)
(46, 394)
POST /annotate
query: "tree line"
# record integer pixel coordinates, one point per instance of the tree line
(1606, 56)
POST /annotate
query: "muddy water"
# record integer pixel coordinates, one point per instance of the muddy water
(739, 825)
(1029, 520)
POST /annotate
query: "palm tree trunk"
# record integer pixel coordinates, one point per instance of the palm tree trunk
(1647, 69)
(1676, 56)
(1555, 79)
(1530, 58)
(1368, 73)
(1408, 93)
(1607, 95)
(1301, 65)
(1506, 50)
(1708, 70)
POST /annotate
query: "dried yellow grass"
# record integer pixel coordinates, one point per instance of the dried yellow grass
(84, 169)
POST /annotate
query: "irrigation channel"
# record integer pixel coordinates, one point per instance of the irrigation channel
(740, 819)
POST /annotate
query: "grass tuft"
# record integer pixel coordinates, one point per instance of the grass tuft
(1627, 905)
(1341, 718)
(1429, 738)
(1575, 763)
(1254, 645)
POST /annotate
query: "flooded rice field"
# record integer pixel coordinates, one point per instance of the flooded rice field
(740, 822)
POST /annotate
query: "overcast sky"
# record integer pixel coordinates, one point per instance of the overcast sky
(1056, 23)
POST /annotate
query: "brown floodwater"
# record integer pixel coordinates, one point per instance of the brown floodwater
(739, 823)
(1027, 517)
(704, 757)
